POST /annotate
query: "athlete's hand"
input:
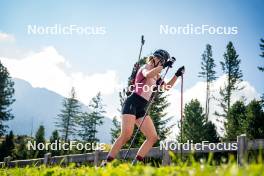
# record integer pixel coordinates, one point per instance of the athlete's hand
(168, 64)
(180, 71)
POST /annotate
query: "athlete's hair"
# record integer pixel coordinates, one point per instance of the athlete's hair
(150, 58)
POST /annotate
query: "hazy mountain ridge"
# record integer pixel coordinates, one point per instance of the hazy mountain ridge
(36, 106)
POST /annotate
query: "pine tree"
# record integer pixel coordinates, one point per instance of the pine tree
(67, 119)
(115, 131)
(158, 115)
(89, 122)
(6, 98)
(193, 122)
(21, 150)
(261, 68)
(195, 126)
(236, 119)
(7, 147)
(245, 119)
(40, 138)
(208, 73)
(210, 132)
(55, 138)
(255, 120)
(230, 67)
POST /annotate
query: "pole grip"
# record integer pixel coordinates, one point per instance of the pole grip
(142, 40)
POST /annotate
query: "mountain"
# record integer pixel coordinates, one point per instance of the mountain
(40, 106)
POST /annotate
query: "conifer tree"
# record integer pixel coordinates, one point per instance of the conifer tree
(6, 98)
(231, 68)
(55, 138)
(115, 130)
(261, 45)
(236, 118)
(89, 121)
(255, 120)
(195, 125)
(261, 68)
(208, 73)
(21, 150)
(40, 138)
(7, 147)
(67, 119)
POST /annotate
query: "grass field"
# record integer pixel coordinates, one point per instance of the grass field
(229, 169)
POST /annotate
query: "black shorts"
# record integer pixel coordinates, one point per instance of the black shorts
(135, 105)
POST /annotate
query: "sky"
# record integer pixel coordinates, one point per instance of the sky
(103, 62)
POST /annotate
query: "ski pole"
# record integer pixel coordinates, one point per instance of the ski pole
(181, 109)
(146, 113)
(140, 51)
(142, 43)
(136, 66)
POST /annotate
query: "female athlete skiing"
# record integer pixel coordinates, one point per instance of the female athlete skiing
(134, 106)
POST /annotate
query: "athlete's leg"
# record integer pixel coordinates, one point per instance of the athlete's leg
(127, 127)
(148, 129)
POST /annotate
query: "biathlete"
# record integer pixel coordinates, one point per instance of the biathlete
(134, 106)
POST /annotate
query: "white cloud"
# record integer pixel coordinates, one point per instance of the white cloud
(49, 69)
(198, 92)
(4, 37)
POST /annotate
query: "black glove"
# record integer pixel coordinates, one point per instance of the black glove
(168, 64)
(180, 71)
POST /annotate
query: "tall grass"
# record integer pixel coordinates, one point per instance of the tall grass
(203, 167)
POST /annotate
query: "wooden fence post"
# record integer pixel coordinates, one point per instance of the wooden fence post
(47, 158)
(96, 157)
(166, 160)
(241, 149)
(7, 160)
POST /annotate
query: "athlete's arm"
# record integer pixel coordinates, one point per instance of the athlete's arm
(169, 85)
(152, 73)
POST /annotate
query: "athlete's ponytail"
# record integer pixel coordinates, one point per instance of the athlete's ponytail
(150, 58)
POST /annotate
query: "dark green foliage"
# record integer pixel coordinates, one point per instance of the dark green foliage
(195, 126)
(21, 150)
(255, 120)
(210, 132)
(88, 122)
(7, 147)
(134, 70)
(115, 131)
(236, 119)
(55, 138)
(208, 73)
(261, 68)
(6, 98)
(40, 138)
(158, 115)
(261, 45)
(244, 119)
(67, 119)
